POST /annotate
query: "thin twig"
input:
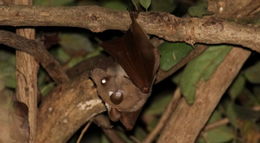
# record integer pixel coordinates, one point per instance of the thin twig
(205, 138)
(211, 126)
(112, 135)
(169, 109)
(135, 140)
(84, 131)
(103, 122)
(216, 124)
(256, 108)
(223, 121)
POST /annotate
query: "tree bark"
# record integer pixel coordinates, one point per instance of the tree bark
(66, 109)
(26, 75)
(187, 121)
(209, 30)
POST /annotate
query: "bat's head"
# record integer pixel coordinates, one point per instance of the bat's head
(121, 97)
(124, 91)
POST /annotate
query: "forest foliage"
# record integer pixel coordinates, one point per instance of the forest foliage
(239, 109)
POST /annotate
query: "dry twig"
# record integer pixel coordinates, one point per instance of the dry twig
(166, 114)
(84, 131)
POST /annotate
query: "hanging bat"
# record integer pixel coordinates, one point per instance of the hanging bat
(125, 86)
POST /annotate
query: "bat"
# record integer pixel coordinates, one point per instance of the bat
(125, 86)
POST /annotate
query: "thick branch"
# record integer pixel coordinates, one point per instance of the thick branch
(187, 121)
(226, 8)
(71, 98)
(208, 94)
(26, 75)
(67, 108)
(192, 30)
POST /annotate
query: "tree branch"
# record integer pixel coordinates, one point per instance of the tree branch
(66, 109)
(97, 19)
(37, 50)
(205, 30)
(208, 93)
(26, 75)
(187, 121)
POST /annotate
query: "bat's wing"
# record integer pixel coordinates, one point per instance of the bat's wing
(137, 56)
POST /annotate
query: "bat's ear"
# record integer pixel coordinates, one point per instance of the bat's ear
(97, 74)
(128, 119)
(114, 114)
(97, 71)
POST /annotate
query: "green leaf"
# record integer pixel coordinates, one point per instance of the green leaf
(219, 135)
(199, 9)
(152, 124)
(215, 116)
(237, 87)
(47, 88)
(115, 4)
(246, 113)
(172, 53)
(124, 136)
(252, 73)
(256, 21)
(200, 140)
(151, 113)
(62, 55)
(7, 66)
(158, 107)
(256, 91)
(145, 3)
(166, 5)
(176, 78)
(231, 114)
(104, 139)
(52, 2)
(75, 43)
(140, 133)
(235, 112)
(201, 68)
(251, 99)
(2, 84)
(77, 60)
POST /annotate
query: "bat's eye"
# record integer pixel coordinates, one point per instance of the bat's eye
(145, 89)
(116, 97)
(104, 81)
